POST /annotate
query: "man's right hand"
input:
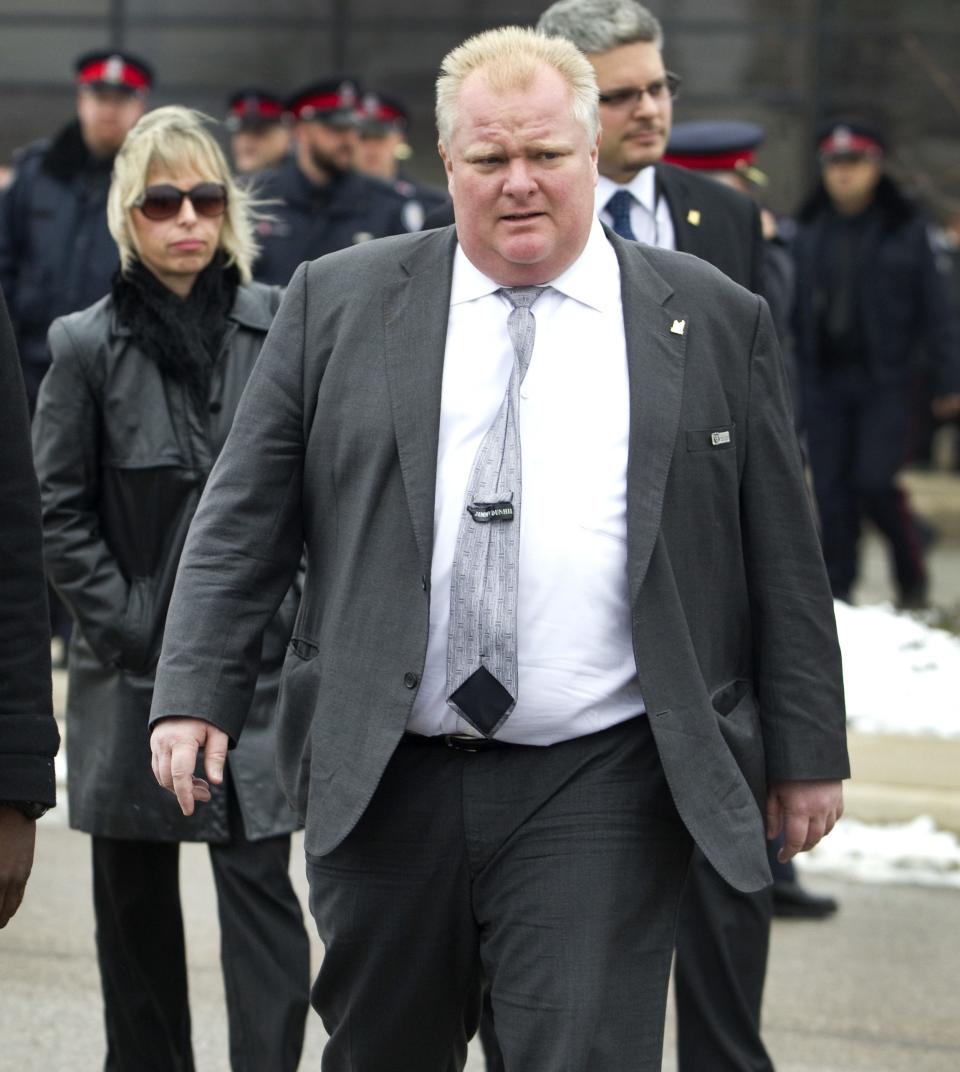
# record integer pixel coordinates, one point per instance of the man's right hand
(174, 744)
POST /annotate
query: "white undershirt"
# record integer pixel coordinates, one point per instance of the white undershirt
(649, 215)
(577, 672)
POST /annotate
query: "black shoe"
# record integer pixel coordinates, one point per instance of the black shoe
(913, 597)
(791, 900)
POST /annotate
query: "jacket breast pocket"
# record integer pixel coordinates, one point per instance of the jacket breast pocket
(719, 437)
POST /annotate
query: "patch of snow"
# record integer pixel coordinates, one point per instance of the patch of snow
(900, 675)
(915, 852)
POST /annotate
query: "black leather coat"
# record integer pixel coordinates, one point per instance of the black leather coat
(123, 454)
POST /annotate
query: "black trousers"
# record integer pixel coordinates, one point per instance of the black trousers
(723, 938)
(264, 950)
(857, 442)
(555, 873)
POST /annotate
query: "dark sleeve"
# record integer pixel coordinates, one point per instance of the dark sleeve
(797, 655)
(66, 438)
(28, 732)
(939, 319)
(246, 540)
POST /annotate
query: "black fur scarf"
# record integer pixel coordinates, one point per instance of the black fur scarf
(181, 337)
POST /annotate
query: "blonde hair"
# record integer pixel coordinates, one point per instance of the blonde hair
(176, 138)
(510, 58)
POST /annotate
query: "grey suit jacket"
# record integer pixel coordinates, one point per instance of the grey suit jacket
(334, 446)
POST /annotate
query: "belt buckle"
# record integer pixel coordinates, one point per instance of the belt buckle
(461, 742)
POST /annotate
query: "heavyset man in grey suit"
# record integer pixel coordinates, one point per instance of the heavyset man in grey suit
(678, 672)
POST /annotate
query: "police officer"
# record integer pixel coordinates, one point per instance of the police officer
(321, 202)
(869, 296)
(383, 145)
(56, 254)
(259, 131)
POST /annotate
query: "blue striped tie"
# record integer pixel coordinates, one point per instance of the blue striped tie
(619, 208)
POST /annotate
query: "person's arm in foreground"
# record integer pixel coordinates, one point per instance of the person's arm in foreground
(28, 733)
(242, 553)
(800, 683)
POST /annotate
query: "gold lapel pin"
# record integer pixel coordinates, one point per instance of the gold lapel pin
(678, 327)
(693, 217)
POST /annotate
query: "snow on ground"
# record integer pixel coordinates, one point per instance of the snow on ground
(900, 675)
(914, 852)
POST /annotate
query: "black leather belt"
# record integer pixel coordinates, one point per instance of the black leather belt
(460, 742)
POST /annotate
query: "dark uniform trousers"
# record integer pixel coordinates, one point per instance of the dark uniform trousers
(554, 872)
(264, 952)
(857, 433)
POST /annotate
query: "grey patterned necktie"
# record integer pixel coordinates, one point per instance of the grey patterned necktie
(482, 643)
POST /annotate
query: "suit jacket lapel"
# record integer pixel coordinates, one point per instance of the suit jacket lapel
(656, 338)
(415, 313)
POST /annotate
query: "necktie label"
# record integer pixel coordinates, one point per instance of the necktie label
(484, 513)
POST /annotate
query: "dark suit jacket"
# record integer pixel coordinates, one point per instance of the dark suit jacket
(715, 223)
(335, 445)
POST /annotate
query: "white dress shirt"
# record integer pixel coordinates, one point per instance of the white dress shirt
(577, 672)
(649, 214)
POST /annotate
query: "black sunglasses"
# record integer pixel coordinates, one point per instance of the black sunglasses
(163, 202)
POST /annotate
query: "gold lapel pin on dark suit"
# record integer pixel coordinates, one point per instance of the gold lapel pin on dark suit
(693, 217)
(678, 327)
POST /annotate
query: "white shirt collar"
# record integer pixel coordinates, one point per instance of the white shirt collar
(593, 279)
(643, 186)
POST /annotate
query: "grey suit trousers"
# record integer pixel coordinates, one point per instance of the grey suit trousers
(555, 872)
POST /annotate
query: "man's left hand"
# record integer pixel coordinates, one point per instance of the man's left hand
(804, 811)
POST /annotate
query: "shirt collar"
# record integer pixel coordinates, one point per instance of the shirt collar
(593, 279)
(643, 186)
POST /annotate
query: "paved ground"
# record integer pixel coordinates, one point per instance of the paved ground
(873, 990)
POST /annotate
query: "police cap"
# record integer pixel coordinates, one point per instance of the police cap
(380, 114)
(253, 109)
(849, 139)
(334, 102)
(717, 145)
(113, 69)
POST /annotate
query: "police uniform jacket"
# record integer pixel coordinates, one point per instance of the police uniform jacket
(904, 300)
(56, 254)
(123, 454)
(306, 220)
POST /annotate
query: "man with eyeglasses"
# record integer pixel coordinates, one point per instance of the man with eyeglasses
(639, 196)
(723, 934)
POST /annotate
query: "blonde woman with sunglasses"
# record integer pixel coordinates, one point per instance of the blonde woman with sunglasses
(131, 417)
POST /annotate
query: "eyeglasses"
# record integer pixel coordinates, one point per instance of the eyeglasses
(163, 202)
(660, 90)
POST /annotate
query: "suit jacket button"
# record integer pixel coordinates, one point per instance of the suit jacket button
(411, 680)
(215, 407)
